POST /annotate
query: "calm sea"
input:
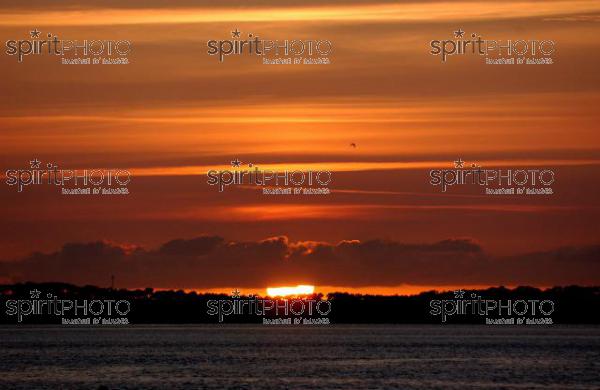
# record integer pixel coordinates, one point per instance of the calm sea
(301, 357)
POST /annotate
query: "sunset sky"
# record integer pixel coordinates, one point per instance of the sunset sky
(174, 112)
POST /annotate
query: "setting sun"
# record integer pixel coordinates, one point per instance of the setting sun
(301, 289)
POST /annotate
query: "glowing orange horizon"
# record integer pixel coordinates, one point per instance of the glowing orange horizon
(301, 289)
(404, 289)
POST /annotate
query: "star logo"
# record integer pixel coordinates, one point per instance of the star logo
(35, 33)
(236, 163)
(459, 33)
(235, 293)
(459, 163)
(35, 163)
(458, 294)
(34, 293)
(236, 33)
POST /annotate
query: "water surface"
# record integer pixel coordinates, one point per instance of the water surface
(301, 357)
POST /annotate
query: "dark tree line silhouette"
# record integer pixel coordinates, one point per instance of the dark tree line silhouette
(571, 304)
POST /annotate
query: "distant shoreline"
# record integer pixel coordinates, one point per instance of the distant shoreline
(56, 303)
